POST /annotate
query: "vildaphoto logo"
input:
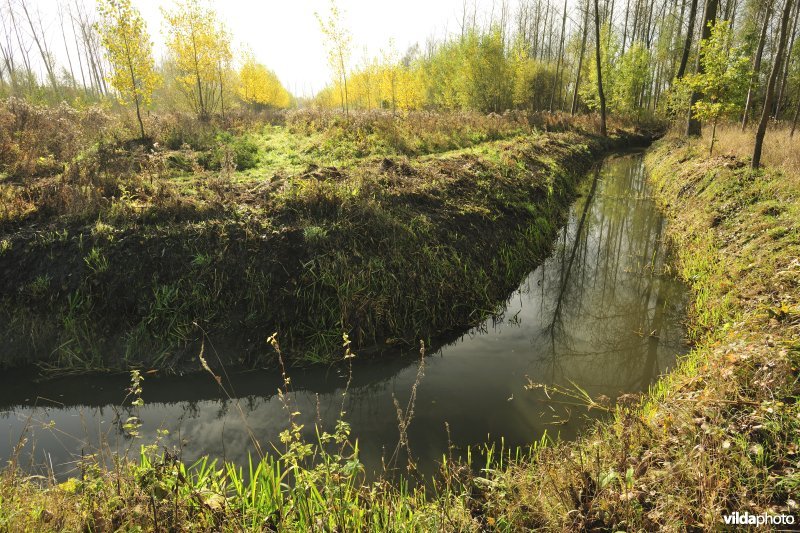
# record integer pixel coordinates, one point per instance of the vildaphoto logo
(746, 519)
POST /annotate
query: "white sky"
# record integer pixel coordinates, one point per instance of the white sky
(286, 37)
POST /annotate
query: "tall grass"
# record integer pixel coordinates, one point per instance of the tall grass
(780, 150)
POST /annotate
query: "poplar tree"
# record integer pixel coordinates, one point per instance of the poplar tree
(129, 52)
(338, 41)
(259, 86)
(201, 50)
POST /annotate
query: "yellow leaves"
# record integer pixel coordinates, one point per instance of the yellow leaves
(213, 501)
(201, 49)
(389, 86)
(259, 85)
(128, 49)
(338, 41)
(70, 486)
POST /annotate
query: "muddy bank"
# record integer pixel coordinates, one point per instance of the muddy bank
(389, 251)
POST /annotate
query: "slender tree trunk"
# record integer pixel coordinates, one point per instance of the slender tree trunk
(713, 137)
(600, 93)
(732, 18)
(78, 52)
(89, 48)
(625, 26)
(773, 78)
(635, 23)
(133, 87)
(650, 29)
(7, 51)
(557, 79)
(687, 45)
(693, 127)
(344, 80)
(24, 52)
(756, 66)
(200, 100)
(535, 36)
(41, 45)
(221, 92)
(73, 81)
(675, 40)
(785, 76)
(580, 59)
(794, 120)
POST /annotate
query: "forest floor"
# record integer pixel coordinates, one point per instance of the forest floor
(132, 255)
(719, 434)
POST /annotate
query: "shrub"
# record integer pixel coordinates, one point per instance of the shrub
(241, 151)
(37, 141)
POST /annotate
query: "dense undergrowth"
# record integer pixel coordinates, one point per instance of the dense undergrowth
(120, 255)
(719, 434)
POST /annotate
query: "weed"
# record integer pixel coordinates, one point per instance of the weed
(95, 261)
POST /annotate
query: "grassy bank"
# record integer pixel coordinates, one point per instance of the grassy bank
(719, 434)
(314, 226)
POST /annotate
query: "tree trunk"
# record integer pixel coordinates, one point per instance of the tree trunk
(600, 93)
(756, 66)
(785, 76)
(66, 49)
(26, 60)
(625, 26)
(221, 92)
(687, 45)
(557, 79)
(41, 45)
(693, 127)
(773, 77)
(78, 52)
(580, 59)
(136, 97)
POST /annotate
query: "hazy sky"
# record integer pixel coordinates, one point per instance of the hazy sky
(285, 35)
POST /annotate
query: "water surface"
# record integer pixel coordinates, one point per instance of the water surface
(599, 314)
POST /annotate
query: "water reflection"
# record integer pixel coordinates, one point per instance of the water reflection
(599, 313)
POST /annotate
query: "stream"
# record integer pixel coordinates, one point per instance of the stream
(601, 315)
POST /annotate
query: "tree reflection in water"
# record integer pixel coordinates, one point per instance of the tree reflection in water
(599, 312)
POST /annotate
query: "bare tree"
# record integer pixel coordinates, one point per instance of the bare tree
(66, 46)
(39, 38)
(785, 76)
(557, 78)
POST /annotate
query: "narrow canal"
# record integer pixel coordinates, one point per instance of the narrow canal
(602, 315)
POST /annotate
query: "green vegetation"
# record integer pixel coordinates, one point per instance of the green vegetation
(723, 81)
(310, 228)
(217, 214)
(718, 434)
